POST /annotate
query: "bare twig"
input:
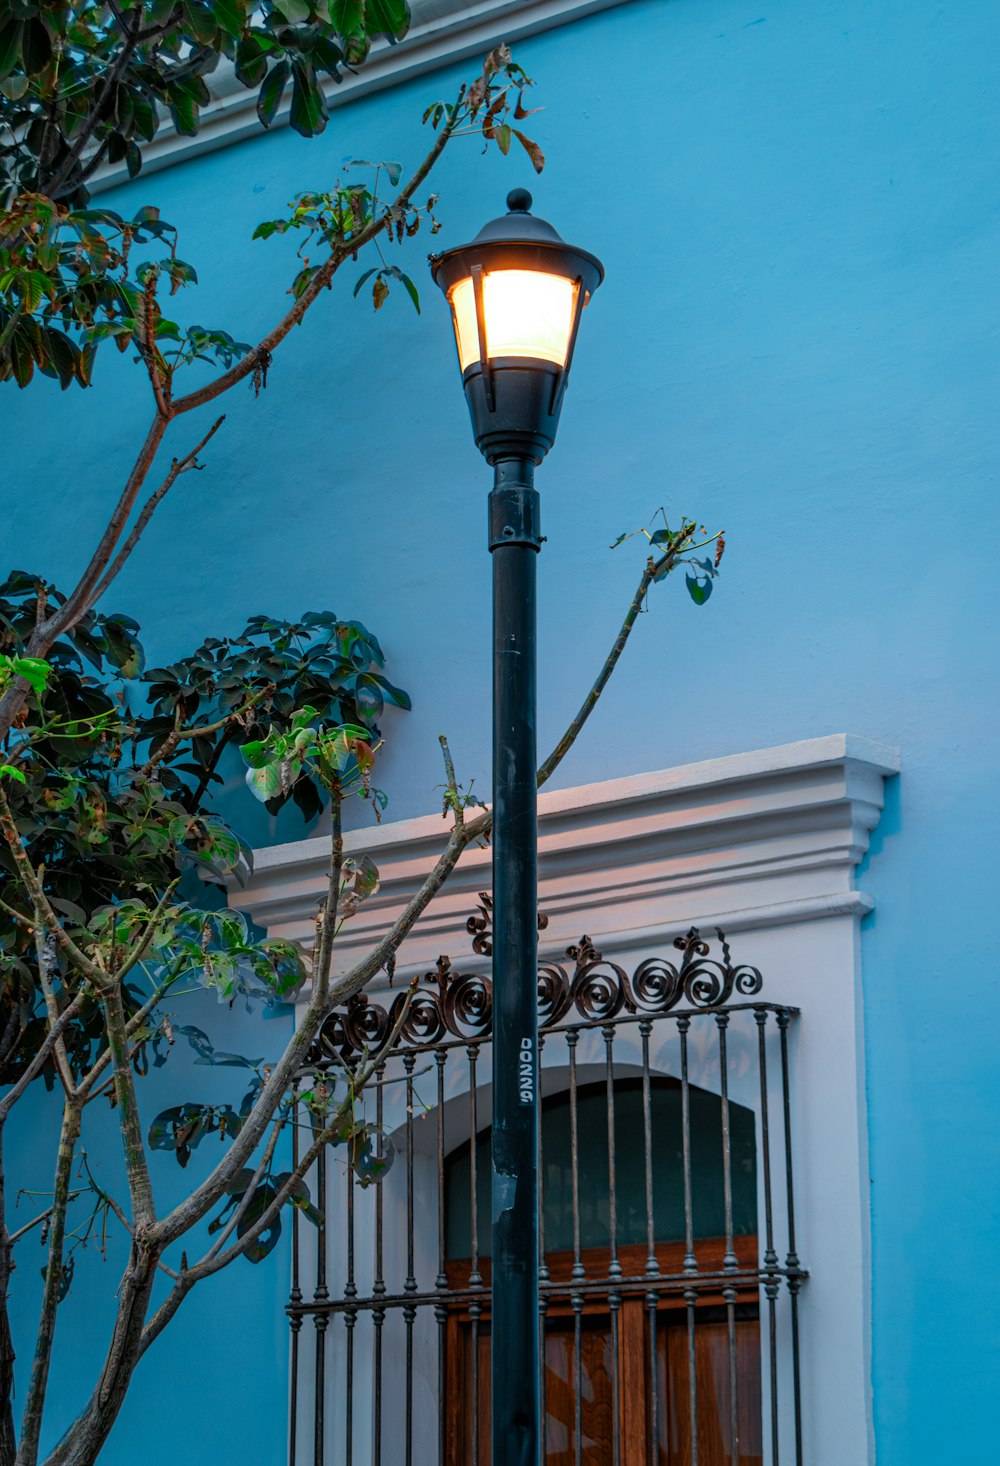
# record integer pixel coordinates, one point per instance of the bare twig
(451, 786)
(328, 919)
(216, 1259)
(39, 899)
(115, 72)
(81, 598)
(177, 467)
(41, 1054)
(325, 273)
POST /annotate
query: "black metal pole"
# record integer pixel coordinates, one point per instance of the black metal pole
(514, 542)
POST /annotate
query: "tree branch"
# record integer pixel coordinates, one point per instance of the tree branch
(136, 1022)
(40, 1055)
(464, 834)
(555, 758)
(39, 899)
(325, 273)
(44, 954)
(215, 1259)
(328, 922)
(96, 113)
(31, 1421)
(187, 1213)
(136, 1167)
(177, 467)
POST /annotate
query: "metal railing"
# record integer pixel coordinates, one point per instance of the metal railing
(669, 1274)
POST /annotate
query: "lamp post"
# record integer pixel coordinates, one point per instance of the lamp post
(517, 293)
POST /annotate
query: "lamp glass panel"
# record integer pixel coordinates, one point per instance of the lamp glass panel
(527, 313)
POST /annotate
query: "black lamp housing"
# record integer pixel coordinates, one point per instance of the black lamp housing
(515, 401)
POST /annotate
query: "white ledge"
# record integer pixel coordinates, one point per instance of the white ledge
(767, 838)
(442, 32)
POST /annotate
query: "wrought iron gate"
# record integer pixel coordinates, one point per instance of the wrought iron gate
(669, 1271)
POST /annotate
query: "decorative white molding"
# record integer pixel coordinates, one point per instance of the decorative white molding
(754, 840)
(443, 31)
(762, 843)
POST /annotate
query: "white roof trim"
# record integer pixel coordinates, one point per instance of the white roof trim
(754, 840)
(443, 31)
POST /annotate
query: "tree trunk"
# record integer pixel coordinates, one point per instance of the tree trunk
(85, 1438)
(8, 1440)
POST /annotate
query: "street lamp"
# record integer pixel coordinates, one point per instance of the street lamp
(517, 293)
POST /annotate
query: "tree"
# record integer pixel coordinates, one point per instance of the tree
(107, 774)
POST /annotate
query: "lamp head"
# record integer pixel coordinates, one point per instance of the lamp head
(517, 293)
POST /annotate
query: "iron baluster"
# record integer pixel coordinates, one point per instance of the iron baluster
(295, 1298)
(410, 1285)
(770, 1256)
(652, 1266)
(690, 1261)
(378, 1286)
(441, 1282)
(792, 1260)
(350, 1319)
(572, 1039)
(730, 1262)
(475, 1276)
(320, 1318)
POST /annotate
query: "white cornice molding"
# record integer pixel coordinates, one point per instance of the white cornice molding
(761, 839)
(442, 32)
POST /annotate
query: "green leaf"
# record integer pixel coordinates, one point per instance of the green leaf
(14, 87)
(201, 23)
(184, 111)
(272, 91)
(308, 115)
(36, 46)
(261, 1200)
(265, 781)
(33, 670)
(251, 62)
(394, 694)
(145, 117)
(296, 12)
(347, 16)
(8, 771)
(504, 133)
(698, 590)
(389, 18)
(410, 289)
(10, 46)
(63, 354)
(231, 16)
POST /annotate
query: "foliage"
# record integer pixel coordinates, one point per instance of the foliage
(84, 82)
(74, 276)
(678, 546)
(109, 777)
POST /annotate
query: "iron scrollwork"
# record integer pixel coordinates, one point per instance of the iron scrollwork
(459, 1005)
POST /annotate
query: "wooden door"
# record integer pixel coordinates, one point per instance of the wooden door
(468, 1373)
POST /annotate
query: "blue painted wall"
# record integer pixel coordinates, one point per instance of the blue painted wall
(797, 339)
